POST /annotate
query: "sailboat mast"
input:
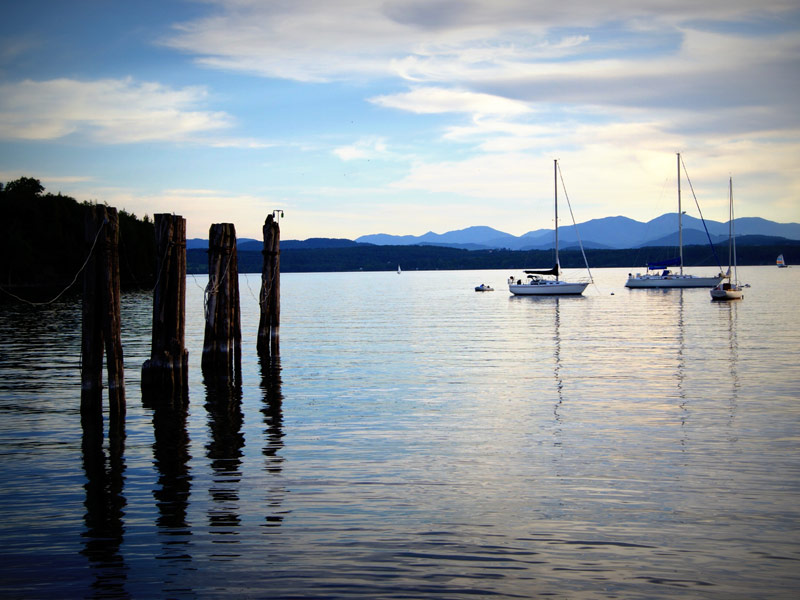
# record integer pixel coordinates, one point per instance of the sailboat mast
(733, 235)
(730, 224)
(680, 215)
(555, 196)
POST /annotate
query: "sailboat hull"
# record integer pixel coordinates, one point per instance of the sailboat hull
(731, 294)
(671, 281)
(547, 288)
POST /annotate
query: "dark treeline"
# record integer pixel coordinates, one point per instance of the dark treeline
(42, 246)
(431, 258)
(42, 241)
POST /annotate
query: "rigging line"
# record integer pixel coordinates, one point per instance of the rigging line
(194, 278)
(644, 250)
(577, 233)
(74, 279)
(708, 235)
(247, 281)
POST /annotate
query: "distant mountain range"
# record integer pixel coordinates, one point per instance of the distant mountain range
(606, 233)
(611, 233)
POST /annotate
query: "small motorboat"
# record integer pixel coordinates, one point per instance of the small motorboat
(484, 288)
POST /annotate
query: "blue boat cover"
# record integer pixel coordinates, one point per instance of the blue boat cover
(672, 262)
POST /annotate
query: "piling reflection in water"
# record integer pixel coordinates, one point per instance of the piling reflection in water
(273, 434)
(105, 504)
(224, 451)
(171, 458)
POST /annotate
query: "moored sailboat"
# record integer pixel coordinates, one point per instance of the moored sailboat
(729, 288)
(547, 282)
(666, 278)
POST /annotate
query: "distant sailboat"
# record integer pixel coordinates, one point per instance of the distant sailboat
(398, 270)
(780, 262)
(729, 288)
(668, 279)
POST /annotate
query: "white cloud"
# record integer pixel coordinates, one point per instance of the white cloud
(310, 40)
(364, 149)
(108, 111)
(430, 100)
(505, 57)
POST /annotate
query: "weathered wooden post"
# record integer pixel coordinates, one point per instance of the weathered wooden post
(270, 298)
(166, 374)
(222, 345)
(101, 322)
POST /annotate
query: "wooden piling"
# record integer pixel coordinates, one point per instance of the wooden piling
(270, 297)
(165, 375)
(101, 326)
(222, 345)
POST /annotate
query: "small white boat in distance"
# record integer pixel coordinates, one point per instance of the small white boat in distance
(546, 282)
(780, 262)
(668, 279)
(484, 288)
(729, 288)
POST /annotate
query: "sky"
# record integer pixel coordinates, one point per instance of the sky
(357, 117)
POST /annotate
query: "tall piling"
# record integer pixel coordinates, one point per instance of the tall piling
(101, 324)
(222, 344)
(270, 297)
(165, 375)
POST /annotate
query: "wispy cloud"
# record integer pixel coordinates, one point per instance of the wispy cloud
(431, 100)
(366, 148)
(509, 57)
(110, 111)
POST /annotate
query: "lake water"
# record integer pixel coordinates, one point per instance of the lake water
(416, 439)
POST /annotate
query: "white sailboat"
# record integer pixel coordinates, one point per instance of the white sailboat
(668, 279)
(780, 262)
(729, 288)
(547, 282)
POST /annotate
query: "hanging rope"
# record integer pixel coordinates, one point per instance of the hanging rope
(577, 233)
(74, 279)
(170, 244)
(212, 288)
(247, 281)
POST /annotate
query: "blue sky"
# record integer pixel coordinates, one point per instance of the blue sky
(358, 117)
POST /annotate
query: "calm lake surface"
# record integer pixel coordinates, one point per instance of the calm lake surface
(416, 439)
